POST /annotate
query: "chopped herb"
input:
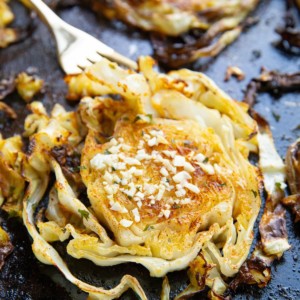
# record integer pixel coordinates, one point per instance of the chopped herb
(137, 118)
(278, 185)
(143, 133)
(84, 213)
(276, 116)
(78, 168)
(129, 197)
(142, 117)
(222, 184)
(167, 180)
(126, 119)
(138, 187)
(116, 182)
(107, 152)
(254, 193)
(175, 206)
(113, 169)
(206, 160)
(148, 227)
(150, 117)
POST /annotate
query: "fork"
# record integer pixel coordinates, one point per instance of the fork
(75, 48)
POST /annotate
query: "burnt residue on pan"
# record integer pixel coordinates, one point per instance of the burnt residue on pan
(23, 277)
(290, 30)
(293, 178)
(271, 82)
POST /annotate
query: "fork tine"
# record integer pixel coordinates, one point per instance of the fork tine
(85, 64)
(120, 59)
(81, 68)
(91, 61)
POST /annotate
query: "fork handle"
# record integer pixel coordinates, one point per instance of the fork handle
(60, 29)
(65, 34)
(44, 12)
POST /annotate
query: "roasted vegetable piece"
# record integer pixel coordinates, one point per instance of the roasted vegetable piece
(289, 32)
(183, 31)
(256, 270)
(165, 163)
(80, 86)
(272, 226)
(6, 246)
(233, 71)
(10, 35)
(274, 82)
(293, 167)
(180, 95)
(8, 110)
(28, 86)
(293, 177)
(60, 129)
(165, 292)
(271, 82)
(293, 202)
(12, 183)
(6, 15)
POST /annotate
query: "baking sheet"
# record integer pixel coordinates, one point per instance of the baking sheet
(23, 277)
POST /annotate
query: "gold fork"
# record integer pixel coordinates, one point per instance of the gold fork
(75, 48)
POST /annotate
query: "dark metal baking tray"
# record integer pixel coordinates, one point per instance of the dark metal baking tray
(23, 277)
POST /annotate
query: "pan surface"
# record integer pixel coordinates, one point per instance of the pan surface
(23, 277)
